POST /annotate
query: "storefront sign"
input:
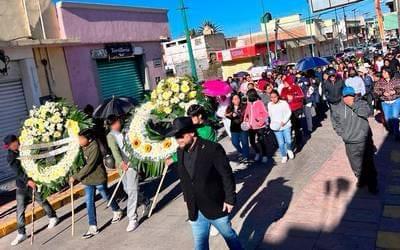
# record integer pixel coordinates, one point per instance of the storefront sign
(120, 50)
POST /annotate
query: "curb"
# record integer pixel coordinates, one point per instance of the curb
(56, 202)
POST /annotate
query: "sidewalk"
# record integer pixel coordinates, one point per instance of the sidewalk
(331, 213)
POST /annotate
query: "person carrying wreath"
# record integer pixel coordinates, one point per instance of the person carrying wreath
(130, 181)
(93, 175)
(25, 186)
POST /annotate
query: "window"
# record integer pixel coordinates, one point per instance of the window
(169, 45)
(182, 42)
(198, 41)
(157, 63)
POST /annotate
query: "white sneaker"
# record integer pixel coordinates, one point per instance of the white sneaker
(290, 154)
(132, 225)
(264, 159)
(52, 222)
(20, 238)
(257, 158)
(117, 216)
(284, 159)
(92, 231)
(213, 231)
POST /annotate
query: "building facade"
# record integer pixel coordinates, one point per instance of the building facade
(119, 53)
(176, 53)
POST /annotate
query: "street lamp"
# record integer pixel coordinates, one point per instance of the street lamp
(188, 40)
(265, 19)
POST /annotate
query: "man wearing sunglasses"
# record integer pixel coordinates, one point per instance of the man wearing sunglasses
(207, 182)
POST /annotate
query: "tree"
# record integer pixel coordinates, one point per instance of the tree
(193, 33)
(209, 28)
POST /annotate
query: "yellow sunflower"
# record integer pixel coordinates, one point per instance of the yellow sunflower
(147, 148)
(167, 144)
(136, 143)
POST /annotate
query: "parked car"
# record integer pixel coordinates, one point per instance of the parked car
(349, 52)
(329, 58)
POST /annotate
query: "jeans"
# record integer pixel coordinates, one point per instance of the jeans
(308, 113)
(392, 113)
(284, 138)
(131, 188)
(21, 196)
(201, 232)
(90, 193)
(241, 142)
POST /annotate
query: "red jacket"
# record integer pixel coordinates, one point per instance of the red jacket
(298, 96)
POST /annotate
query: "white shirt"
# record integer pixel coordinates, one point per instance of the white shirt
(357, 83)
(279, 113)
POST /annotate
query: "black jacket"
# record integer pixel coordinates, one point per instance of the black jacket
(333, 92)
(15, 165)
(212, 183)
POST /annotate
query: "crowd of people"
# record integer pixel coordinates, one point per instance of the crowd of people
(287, 101)
(280, 111)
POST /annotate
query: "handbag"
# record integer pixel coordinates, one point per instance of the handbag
(245, 126)
(108, 159)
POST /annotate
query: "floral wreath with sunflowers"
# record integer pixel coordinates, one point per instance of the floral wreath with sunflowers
(147, 145)
(49, 150)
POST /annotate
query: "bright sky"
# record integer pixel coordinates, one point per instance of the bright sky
(235, 17)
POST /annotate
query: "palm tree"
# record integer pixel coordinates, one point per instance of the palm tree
(193, 33)
(209, 28)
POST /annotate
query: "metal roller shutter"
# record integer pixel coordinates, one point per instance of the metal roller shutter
(120, 78)
(13, 111)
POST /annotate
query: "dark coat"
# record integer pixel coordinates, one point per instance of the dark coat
(351, 123)
(333, 92)
(212, 183)
(93, 172)
(21, 179)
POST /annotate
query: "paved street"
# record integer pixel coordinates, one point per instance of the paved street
(308, 203)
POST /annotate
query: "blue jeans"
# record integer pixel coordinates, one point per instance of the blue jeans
(284, 138)
(241, 142)
(201, 232)
(90, 193)
(392, 113)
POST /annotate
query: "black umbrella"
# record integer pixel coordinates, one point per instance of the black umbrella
(118, 106)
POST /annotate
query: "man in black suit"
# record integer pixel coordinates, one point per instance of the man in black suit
(207, 182)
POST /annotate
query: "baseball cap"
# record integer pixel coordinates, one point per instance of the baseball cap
(348, 91)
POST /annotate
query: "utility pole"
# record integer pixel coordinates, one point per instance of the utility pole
(345, 27)
(355, 22)
(276, 38)
(379, 18)
(268, 55)
(338, 30)
(188, 40)
(311, 32)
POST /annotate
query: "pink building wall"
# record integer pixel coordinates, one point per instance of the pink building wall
(97, 25)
